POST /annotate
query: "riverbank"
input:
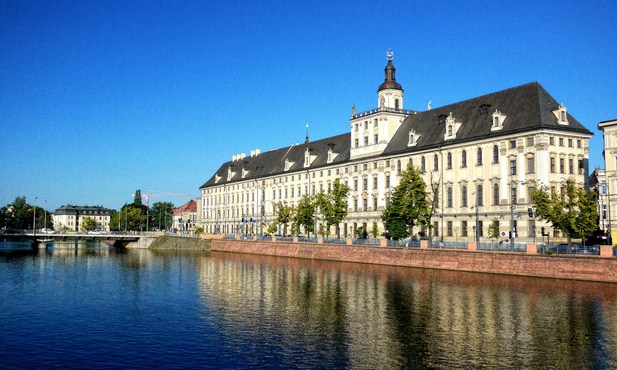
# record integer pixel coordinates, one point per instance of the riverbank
(573, 267)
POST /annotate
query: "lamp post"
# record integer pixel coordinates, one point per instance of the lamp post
(34, 218)
(477, 221)
(45, 210)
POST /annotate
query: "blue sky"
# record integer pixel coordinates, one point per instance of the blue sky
(98, 99)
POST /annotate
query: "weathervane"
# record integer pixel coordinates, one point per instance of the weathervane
(390, 54)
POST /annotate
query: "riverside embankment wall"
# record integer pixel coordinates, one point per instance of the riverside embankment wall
(171, 242)
(589, 268)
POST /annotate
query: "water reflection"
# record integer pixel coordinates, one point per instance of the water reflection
(365, 316)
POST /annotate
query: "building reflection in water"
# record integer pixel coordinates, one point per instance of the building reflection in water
(367, 316)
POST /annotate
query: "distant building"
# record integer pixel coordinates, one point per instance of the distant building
(185, 216)
(609, 130)
(482, 156)
(72, 217)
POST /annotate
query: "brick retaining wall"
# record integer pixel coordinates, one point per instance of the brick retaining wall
(589, 268)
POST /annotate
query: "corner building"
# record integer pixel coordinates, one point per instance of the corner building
(485, 152)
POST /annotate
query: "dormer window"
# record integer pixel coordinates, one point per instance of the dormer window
(452, 126)
(230, 173)
(442, 118)
(331, 155)
(288, 164)
(217, 178)
(498, 120)
(244, 173)
(308, 158)
(413, 138)
(484, 108)
(562, 114)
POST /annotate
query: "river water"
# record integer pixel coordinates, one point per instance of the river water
(91, 306)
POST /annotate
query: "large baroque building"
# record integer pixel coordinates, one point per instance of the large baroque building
(481, 156)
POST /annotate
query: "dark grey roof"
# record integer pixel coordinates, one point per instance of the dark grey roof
(72, 210)
(273, 162)
(527, 107)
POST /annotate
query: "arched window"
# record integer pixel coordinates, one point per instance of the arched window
(396, 104)
(449, 197)
(479, 156)
(464, 196)
(495, 194)
(464, 159)
(449, 161)
(436, 162)
(423, 163)
(398, 167)
(495, 154)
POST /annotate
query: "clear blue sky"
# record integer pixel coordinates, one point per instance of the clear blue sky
(100, 98)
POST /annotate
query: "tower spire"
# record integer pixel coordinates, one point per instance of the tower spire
(307, 137)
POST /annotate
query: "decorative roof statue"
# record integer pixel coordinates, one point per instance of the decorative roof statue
(389, 54)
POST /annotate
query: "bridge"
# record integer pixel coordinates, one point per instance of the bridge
(119, 239)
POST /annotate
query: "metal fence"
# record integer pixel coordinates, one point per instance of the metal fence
(413, 243)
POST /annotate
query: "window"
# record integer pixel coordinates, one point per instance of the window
(560, 141)
(375, 182)
(374, 203)
(531, 168)
(552, 165)
(479, 156)
(581, 169)
(571, 165)
(398, 167)
(495, 194)
(463, 228)
(365, 184)
(449, 197)
(436, 228)
(530, 141)
(479, 196)
(531, 229)
(570, 144)
(512, 144)
(376, 138)
(449, 228)
(423, 163)
(355, 205)
(481, 228)
(513, 167)
(388, 182)
(449, 157)
(436, 162)
(551, 140)
(355, 184)
(356, 143)
(578, 143)
(496, 122)
(495, 154)
(365, 204)
(365, 166)
(375, 122)
(464, 159)
(464, 196)
(366, 141)
(396, 104)
(562, 165)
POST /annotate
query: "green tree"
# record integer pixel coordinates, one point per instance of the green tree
(333, 205)
(375, 230)
(161, 215)
(573, 211)
(410, 205)
(284, 214)
(136, 218)
(493, 229)
(305, 210)
(272, 229)
(137, 198)
(19, 214)
(89, 224)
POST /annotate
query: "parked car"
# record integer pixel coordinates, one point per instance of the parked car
(46, 230)
(97, 232)
(565, 248)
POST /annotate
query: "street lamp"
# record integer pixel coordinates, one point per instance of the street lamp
(34, 218)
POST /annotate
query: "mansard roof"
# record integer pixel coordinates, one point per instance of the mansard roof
(272, 163)
(528, 107)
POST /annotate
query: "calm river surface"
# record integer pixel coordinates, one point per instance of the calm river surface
(97, 307)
